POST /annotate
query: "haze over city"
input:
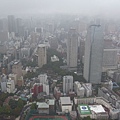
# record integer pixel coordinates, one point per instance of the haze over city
(105, 8)
(59, 60)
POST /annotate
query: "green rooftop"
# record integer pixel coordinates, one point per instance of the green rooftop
(84, 109)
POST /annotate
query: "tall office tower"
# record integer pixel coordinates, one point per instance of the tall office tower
(19, 27)
(4, 25)
(93, 54)
(42, 56)
(72, 49)
(67, 84)
(11, 23)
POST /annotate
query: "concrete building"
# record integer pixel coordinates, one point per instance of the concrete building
(13, 77)
(57, 93)
(47, 107)
(3, 36)
(4, 84)
(25, 52)
(10, 86)
(67, 84)
(72, 49)
(43, 108)
(93, 54)
(110, 59)
(20, 81)
(42, 55)
(43, 78)
(65, 104)
(93, 111)
(88, 89)
(110, 110)
(17, 69)
(79, 89)
(36, 89)
(11, 23)
(46, 88)
(44, 81)
(110, 96)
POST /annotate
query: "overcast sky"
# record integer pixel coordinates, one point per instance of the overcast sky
(87, 7)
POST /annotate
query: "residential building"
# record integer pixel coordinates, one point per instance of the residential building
(79, 89)
(36, 89)
(67, 84)
(17, 69)
(43, 78)
(10, 86)
(42, 55)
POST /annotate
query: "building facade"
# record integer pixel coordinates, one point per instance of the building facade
(93, 54)
(67, 84)
(72, 49)
(42, 55)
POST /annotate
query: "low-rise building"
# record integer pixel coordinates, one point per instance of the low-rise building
(65, 104)
(43, 108)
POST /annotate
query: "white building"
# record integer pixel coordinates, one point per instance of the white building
(46, 88)
(80, 91)
(88, 89)
(72, 49)
(10, 86)
(3, 83)
(54, 58)
(13, 77)
(43, 78)
(93, 54)
(42, 56)
(25, 52)
(65, 104)
(67, 84)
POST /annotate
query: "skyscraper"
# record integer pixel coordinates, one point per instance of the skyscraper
(42, 56)
(93, 54)
(11, 23)
(72, 49)
(67, 84)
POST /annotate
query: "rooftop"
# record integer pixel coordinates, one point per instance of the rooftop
(65, 100)
(97, 108)
(84, 109)
(42, 105)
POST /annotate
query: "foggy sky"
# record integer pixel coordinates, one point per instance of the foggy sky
(109, 8)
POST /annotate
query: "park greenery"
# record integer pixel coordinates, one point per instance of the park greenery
(13, 108)
(54, 67)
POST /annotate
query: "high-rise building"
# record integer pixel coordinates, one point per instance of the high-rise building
(72, 49)
(10, 86)
(93, 54)
(110, 59)
(42, 56)
(17, 69)
(67, 84)
(4, 83)
(11, 23)
(43, 78)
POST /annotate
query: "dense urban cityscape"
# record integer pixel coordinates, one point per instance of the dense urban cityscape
(59, 67)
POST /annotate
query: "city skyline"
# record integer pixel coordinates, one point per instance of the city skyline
(83, 7)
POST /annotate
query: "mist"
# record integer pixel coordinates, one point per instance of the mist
(108, 8)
